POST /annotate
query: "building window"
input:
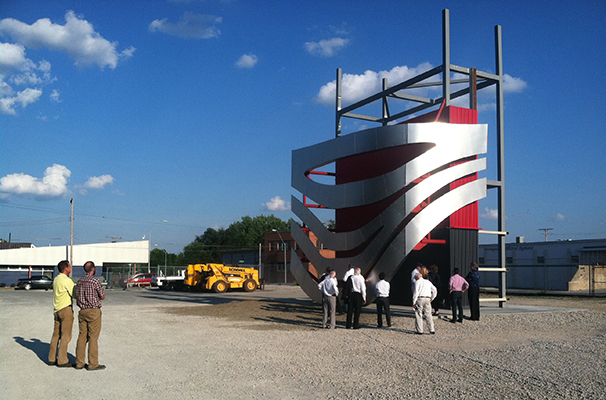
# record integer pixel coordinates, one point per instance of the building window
(541, 260)
(509, 260)
(268, 246)
(481, 260)
(574, 259)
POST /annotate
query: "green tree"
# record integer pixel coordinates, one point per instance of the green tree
(240, 235)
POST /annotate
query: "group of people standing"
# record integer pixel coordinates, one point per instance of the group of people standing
(424, 286)
(88, 293)
(353, 293)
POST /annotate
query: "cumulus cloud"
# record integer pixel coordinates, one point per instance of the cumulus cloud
(490, 214)
(560, 217)
(357, 87)
(99, 182)
(53, 184)
(190, 25)
(12, 56)
(19, 70)
(326, 48)
(55, 96)
(277, 204)
(77, 38)
(513, 85)
(22, 98)
(247, 61)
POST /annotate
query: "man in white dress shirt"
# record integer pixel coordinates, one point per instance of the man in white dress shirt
(382, 291)
(330, 290)
(357, 298)
(345, 292)
(422, 297)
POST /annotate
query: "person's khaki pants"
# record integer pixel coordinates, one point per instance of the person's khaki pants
(423, 310)
(89, 321)
(62, 335)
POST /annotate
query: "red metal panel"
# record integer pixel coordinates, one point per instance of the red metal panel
(466, 217)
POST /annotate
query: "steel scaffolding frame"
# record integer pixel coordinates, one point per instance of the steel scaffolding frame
(477, 80)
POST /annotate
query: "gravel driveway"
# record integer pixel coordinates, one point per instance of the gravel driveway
(269, 345)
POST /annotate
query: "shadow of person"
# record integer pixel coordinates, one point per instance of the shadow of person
(40, 348)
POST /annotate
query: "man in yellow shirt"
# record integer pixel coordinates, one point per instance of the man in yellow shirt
(63, 293)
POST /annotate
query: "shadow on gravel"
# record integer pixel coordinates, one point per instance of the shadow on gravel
(40, 348)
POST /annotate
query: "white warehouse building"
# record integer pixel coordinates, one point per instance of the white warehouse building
(21, 262)
(545, 265)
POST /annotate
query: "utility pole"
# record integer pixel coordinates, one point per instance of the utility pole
(71, 248)
(546, 232)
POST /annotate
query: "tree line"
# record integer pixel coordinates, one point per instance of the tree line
(208, 247)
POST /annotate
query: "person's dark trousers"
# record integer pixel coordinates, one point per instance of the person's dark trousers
(354, 307)
(339, 306)
(456, 302)
(383, 304)
(474, 303)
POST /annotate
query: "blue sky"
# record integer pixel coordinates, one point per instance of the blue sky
(164, 118)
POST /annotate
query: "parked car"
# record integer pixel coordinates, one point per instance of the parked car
(35, 282)
(141, 280)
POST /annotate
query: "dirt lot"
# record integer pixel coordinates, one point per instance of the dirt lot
(269, 345)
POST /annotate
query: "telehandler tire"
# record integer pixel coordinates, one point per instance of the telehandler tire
(250, 285)
(220, 287)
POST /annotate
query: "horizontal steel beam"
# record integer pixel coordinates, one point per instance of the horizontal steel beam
(494, 184)
(391, 90)
(410, 97)
(493, 232)
(364, 117)
(492, 299)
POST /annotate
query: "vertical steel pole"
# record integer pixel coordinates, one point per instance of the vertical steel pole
(385, 105)
(446, 56)
(71, 247)
(338, 103)
(500, 165)
(473, 89)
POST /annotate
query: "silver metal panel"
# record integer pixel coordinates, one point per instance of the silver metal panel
(452, 142)
(390, 243)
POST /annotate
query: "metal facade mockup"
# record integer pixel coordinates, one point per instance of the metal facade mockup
(405, 193)
(383, 243)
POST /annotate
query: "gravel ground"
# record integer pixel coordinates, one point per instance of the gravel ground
(270, 346)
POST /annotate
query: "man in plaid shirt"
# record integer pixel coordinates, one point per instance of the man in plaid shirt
(89, 294)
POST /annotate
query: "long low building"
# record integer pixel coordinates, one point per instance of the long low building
(112, 259)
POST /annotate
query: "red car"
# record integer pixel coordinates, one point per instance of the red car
(141, 280)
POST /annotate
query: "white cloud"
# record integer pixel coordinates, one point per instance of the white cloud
(513, 85)
(55, 96)
(53, 184)
(17, 69)
(99, 182)
(357, 87)
(560, 217)
(12, 56)
(490, 214)
(247, 61)
(326, 48)
(190, 25)
(77, 38)
(277, 204)
(23, 97)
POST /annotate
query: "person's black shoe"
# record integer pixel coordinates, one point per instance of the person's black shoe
(433, 333)
(66, 365)
(461, 321)
(52, 363)
(97, 368)
(453, 320)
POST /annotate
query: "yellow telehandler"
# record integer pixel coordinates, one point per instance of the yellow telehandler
(219, 278)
